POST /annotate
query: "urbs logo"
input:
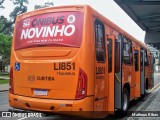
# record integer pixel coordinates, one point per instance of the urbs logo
(26, 23)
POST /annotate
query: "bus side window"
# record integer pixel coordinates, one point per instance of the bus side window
(110, 55)
(136, 60)
(146, 60)
(141, 61)
(100, 41)
(127, 52)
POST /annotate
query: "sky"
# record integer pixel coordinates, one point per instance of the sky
(108, 8)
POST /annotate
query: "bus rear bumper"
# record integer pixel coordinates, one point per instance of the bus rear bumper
(49, 105)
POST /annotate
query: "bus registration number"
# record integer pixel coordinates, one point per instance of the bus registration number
(40, 92)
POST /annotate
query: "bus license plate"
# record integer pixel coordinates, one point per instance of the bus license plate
(41, 92)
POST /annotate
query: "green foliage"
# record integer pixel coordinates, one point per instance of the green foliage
(4, 75)
(1, 2)
(7, 30)
(20, 7)
(5, 48)
(4, 81)
(47, 4)
(17, 2)
(6, 26)
(2, 21)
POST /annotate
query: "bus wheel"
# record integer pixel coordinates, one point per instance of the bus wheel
(125, 101)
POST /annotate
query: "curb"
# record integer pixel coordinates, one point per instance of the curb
(4, 78)
(4, 87)
(154, 88)
(3, 90)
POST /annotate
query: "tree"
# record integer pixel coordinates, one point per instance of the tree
(1, 2)
(20, 8)
(47, 4)
(8, 30)
(5, 48)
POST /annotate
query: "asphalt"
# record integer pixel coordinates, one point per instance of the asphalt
(150, 108)
(4, 87)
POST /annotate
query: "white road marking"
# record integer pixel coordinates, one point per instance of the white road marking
(154, 87)
(22, 118)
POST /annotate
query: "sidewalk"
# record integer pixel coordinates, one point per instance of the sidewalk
(3, 77)
(150, 107)
(4, 87)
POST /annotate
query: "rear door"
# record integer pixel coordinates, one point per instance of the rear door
(115, 72)
(142, 73)
(100, 67)
(136, 76)
(111, 75)
(118, 72)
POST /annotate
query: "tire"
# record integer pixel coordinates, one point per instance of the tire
(125, 102)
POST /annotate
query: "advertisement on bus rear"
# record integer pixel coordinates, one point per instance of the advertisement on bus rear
(51, 29)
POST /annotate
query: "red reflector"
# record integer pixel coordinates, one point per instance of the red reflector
(82, 85)
(11, 86)
(83, 82)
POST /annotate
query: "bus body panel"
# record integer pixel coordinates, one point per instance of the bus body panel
(37, 31)
(35, 62)
(35, 75)
(101, 74)
(60, 69)
(136, 76)
(60, 106)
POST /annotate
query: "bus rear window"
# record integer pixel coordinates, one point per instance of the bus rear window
(50, 29)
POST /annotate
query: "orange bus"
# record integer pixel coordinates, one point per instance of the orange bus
(71, 58)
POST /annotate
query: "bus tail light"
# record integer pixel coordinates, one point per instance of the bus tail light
(11, 89)
(82, 85)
